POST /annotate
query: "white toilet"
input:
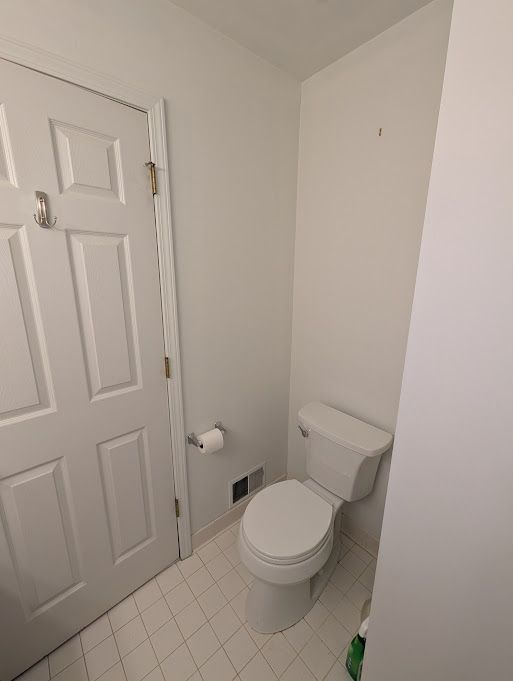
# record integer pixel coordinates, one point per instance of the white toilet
(289, 535)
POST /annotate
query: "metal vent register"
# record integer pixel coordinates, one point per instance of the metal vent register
(246, 485)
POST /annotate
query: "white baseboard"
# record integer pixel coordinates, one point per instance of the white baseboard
(359, 536)
(224, 521)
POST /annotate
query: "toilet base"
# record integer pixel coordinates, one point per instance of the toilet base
(274, 607)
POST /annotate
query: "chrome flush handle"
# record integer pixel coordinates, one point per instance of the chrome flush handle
(41, 214)
(304, 431)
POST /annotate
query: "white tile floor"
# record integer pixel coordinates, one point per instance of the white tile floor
(189, 624)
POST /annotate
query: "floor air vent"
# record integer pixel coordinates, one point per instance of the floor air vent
(247, 485)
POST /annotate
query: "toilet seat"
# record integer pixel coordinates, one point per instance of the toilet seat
(287, 523)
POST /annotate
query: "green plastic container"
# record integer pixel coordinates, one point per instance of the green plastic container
(356, 651)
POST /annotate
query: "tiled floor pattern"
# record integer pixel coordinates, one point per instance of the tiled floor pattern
(188, 624)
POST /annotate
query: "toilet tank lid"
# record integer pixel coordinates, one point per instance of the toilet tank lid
(344, 430)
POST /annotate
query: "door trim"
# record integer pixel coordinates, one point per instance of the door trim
(58, 67)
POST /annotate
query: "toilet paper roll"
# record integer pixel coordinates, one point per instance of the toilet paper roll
(211, 441)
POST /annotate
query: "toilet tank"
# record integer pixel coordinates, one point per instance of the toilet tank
(343, 453)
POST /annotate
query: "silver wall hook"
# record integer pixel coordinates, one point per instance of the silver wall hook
(41, 214)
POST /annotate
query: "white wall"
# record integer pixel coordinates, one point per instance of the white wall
(233, 129)
(361, 202)
(443, 598)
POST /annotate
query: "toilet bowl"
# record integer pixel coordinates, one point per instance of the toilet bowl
(289, 541)
(289, 536)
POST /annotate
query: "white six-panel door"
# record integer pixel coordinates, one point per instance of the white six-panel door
(86, 480)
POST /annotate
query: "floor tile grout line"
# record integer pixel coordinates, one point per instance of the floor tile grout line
(208, 658)
(103, 639)
(292, 661)
(117, 647)
(50, 676)
(194, 571)
(115, 663)
(162, 625)
(252, 658)
(108, 670)
(83, 652)
(127, 622)
(153, 579)
(112, 633)
(153, 648)
(150, 672)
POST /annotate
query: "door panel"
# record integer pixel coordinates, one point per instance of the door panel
(128, 496)
(86, 480)
(7, 173)
(104, 291)
(23, 388)
(87, 161)
(40, 533)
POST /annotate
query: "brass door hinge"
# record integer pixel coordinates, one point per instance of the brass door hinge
(153, 177)
(167, 367)
(177, 508)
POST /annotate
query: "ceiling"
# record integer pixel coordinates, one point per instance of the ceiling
(301, 36)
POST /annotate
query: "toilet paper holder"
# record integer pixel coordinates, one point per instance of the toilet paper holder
(192, 438)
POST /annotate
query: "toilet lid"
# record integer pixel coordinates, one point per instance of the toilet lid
(287, 521)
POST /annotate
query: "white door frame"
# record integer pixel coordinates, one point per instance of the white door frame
(103, 84)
